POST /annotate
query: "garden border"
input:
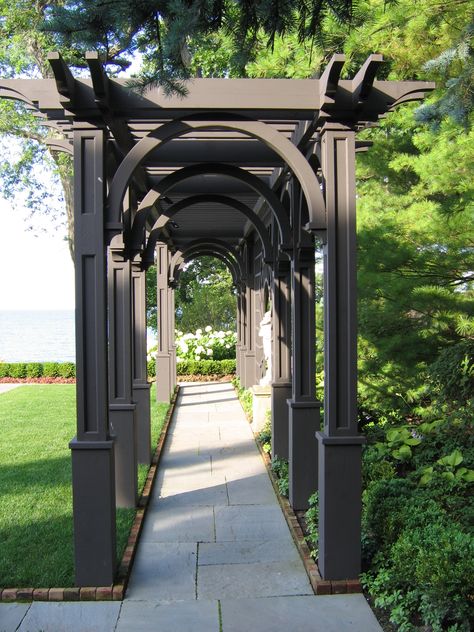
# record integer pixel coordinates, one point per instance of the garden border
(115, 592)
(319, 585)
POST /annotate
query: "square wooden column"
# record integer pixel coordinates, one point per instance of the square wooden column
(92, 450)
(340, 443)
(121, 406)
(141, 386)
(163, 357)
(249, 369)
(304, 409)
(281, 358)
(172, 326)
(241, 329)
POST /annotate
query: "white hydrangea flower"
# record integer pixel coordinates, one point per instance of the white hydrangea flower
(209, 352)
(208, 329)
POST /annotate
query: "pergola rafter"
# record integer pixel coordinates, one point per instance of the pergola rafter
(255, 171)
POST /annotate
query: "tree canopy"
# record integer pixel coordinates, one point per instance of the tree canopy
(166, 33)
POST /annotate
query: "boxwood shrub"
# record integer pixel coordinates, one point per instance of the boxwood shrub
(199, 367)
(21, 370)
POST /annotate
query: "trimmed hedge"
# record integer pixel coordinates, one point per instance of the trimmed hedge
(199, 367)
(23, 370)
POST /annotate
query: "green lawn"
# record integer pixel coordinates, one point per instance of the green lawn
(36, 425)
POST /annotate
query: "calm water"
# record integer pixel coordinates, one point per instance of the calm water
(37, 336)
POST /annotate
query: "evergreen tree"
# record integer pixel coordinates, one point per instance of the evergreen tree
(166, 32)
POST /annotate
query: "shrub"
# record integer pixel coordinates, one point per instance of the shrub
(452, 374)
(4, 369)
(264, 437)
(312, 522)
(206, 367)
(18, 369)
(67, 369)
(201, 367)
(34, 369)
(280, 467)
(428, 573)
(51, 369)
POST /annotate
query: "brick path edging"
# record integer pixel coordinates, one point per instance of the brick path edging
(318, 584)
(115, 592)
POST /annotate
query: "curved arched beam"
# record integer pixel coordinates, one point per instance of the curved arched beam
(221, 250)
(205, 251)
(289, 153)
(213, 245)
(170, 212)
(219, 246)
(152, 197)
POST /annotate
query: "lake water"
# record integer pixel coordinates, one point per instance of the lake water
(37, 336)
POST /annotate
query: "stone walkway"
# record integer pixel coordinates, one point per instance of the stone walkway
(215, 553)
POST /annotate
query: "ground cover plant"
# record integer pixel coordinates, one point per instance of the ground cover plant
(36, 539)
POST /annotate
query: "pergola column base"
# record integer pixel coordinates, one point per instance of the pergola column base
(93, 487)
(280, 394)
(164, 386)
(141, 397)
(304, 422)
(249, 377)
(339, 506)
(124, 429)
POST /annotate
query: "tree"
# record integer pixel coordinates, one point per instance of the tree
(30, 168)
(166, 33)
(204, 296)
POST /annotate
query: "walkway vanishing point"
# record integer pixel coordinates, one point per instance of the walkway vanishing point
(215, 554)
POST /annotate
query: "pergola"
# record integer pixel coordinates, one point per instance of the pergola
(253, 172)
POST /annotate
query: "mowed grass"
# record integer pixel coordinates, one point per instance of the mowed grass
(36, 537)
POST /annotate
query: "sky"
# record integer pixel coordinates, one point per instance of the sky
(36, 271)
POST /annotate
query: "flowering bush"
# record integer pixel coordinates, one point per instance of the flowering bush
(204, 344)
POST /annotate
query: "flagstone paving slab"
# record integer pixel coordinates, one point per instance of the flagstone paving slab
(197, 616)
(250, 522)
(11, 615)
(179, 524)
(255, 490)
(333, 613)
(71, 617)
(282, 550)
(221, 581)
(164, 572)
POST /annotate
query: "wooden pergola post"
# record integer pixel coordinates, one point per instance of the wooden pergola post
(92, 450)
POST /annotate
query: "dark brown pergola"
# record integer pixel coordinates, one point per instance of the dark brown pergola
(253, 172)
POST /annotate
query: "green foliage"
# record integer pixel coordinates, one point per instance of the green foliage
(245, 396)
(34, 369)
(37, 369)
(18, 369)
(4, 369)
(452, 373)
(264, 437)
(312, 524)
(280, 468)
(448, 468)
(26, 158)
(428, 572)
(398, 443)
(168, 34)
(199, 367)
(204, 297)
